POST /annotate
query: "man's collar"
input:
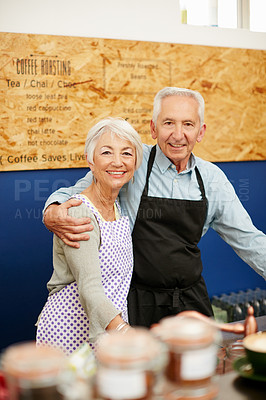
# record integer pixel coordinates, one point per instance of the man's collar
(164, 163)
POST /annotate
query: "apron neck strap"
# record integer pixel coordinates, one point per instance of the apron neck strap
(200, 182)
(149, 168)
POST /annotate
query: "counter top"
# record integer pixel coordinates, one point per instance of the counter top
(234, 387)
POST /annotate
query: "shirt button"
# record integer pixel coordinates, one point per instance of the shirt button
(175, 180)
(173, 167)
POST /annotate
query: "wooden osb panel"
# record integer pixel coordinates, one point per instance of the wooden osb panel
(53, 89)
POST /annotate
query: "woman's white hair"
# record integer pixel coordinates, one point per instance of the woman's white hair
(119, 127)
(174, 91)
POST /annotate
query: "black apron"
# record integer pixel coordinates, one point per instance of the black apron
(167, 262)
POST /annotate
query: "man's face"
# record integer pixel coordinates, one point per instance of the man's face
(178, 129)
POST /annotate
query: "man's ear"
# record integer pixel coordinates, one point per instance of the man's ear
(153, 130)
(201, 133)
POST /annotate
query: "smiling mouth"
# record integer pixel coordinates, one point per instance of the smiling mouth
(117, 173)
(177, 146)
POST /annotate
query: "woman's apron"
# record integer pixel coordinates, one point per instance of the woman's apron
(63, 322)
(167, 262)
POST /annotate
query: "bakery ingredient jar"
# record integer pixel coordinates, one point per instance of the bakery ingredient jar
(32, 372)
(193, 347)
(130, 365)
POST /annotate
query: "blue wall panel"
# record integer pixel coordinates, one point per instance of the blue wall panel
(224, 271)
(26, 245)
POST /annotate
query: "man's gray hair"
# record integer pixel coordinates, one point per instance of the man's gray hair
(174, 91)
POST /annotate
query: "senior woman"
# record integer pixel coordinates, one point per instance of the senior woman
(89, 285)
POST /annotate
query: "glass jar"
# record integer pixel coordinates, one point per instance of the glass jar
(130, 366)
(233, 351)
(32, 372)
(193, 347)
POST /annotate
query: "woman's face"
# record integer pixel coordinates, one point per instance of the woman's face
(114, 161)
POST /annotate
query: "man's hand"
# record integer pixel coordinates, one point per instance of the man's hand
(70, 230)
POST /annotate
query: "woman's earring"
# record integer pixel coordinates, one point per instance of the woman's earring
(94, 179)
(132, 179)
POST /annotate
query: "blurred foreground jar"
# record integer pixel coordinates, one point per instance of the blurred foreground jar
(193, 348)
(130, 366)
(32, 372)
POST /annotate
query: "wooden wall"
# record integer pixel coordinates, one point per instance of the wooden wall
(54, 88)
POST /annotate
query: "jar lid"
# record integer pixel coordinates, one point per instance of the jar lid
(184, 331)
(25, 360)
(136, 347)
